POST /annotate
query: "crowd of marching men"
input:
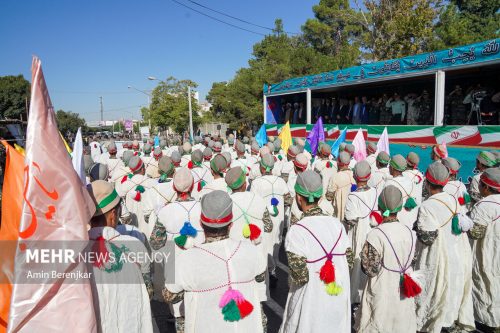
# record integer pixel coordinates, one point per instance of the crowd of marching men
(375, 245)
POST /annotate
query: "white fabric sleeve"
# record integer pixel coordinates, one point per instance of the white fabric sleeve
(294, 242)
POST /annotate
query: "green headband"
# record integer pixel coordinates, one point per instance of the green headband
(491, 163)
(107, 200)
(214, 167)
(396, 166)
(381, 160)
(268, 168)
(310, 195)
(238, 182)
(385, 210)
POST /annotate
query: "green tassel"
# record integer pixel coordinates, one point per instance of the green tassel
(466, 197)
(140, 188)
(455, 227)
(333, 289)
(118, 264)
(410, 204)
(181, 240)
(275, 211)
(231, 312)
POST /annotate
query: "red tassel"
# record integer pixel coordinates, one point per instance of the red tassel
(135, 153)
(137, 196)
(124, 179)
(190, 164)
(376, 215)
(100, 250)
(254, 231)
(199, 186)
(461, 201)
(327, 272)
(248, 170)
(410, 287)
(245, 308)
(419, 179)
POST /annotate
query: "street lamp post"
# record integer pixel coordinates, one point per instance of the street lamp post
(149, 103)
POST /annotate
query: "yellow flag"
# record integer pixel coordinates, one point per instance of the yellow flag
(286, 137)
(19, 149)
(65, 144)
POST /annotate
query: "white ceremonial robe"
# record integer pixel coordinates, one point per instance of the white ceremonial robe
(113, 165)
(457, 189)
(118, 173)
(372, 160)
(383, 309)
(120, 152)
(446, 266)
(486, 264)
(378, 178)
(405, 185)
(244, 163)
(417, 179)
(157, 197)
(114, 292)
(152, 169)
(127, 192)
(102, 158)
(95, 150)
(309, 308)
(340, 184)
(185, 159)
(199, 175)
(359, 206)
(204, 277)
(216, 184)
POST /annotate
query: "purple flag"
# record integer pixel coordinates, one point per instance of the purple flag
(316, 136)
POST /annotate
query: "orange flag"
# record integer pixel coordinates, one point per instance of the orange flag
(12, 201)
(57, 207)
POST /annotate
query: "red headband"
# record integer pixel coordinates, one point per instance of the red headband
(434, 180)
(490, 182)
(371, 150)
(291, 154)
(137, 167)
(298, 165)
(226, 219)
(363, 178)
(439, 152)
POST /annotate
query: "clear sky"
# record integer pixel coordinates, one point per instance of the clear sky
(98, 48)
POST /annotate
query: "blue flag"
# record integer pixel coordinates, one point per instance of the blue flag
(316, 136)
(261, 136)
(336, 144)
(157, 141)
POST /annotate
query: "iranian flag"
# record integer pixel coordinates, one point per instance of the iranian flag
(459, 135)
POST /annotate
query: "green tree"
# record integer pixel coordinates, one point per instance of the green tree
(69, 122)
(398, 28)
(468, 21)
(14, 97)
(169, 105)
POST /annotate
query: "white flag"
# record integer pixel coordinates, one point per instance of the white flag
(78, 164)
(383, 142)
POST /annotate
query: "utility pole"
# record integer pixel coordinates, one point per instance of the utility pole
(102, 111)
(190, 115)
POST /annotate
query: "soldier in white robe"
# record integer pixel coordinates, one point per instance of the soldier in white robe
(445, 259)
(122, 169)
(350, 149)
(484, 160)
(387, 304)
(219, 280)
(371, 158)
(300, 164)
(95, 149)
(218, 166)
(287, 165)
(325, 165)
(454, 186)
(241, 159)
(201, 174)
(397, 166)
(175, 220)
(361, 213)
(316, 302)
(276, 195)
(486, 269)
(381, 173)
(131, 188)
(125, 146)
(152, 170)
(207, 157)
(414, 175)
(112, 161)
(114, 286)
(340, 185)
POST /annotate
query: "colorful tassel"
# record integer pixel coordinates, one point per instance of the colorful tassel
(410, 204)
(329, 164)
(354, 187)
(231, 312)
(126, 177)
(466, 197)
(461, 201)
(137, 196)
(280, 157)
(246, 231)
(190, 165)
(409, 287)
(274, 203)
(181, 240)
(419, 179)
(327, 272)
(455, 226)
(234, 306)
(376, 216)
(254, 231)
(139, 189)
(201, 184)
(187, 232)
(245, 308)
(333, 289)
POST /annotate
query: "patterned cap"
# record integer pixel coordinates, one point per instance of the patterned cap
(217, 147)
(362, 171)
(398, 162)
(390, 200)
(240, 147)
(227, 156)
(440, 150)
(183, 180)
(325, 149)
(300, 142)
(127, 155)
(197, 139)
(245, 139)
(165, 165)
(196, 156)
(104, 196)
(270, 145)
(157, 153)
(350, 148)
(371, 148)
(264, 151)
(216, 209)
(218, 164)
(230, 139)
(267, 162)
(309, 185)
(452, 164)
(301, 161)
(277, 145)
(176, 157)
(211, 143)
(487, 159)
(342, 146)
(383, 158)
(112, 148)
(187, 148)
(344, 158)
(437, 174)
(98, 171)
(235, 178)
(135, 144)
(147, 148)
(207, 153)
(255, 148)
(292, 151)
(412, 159)
(135, 164)
(491, 178)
